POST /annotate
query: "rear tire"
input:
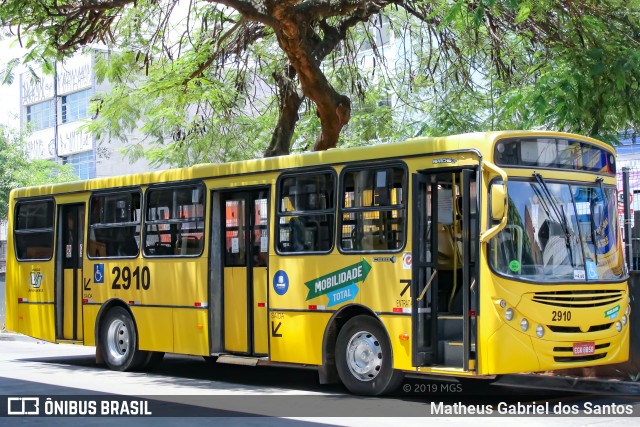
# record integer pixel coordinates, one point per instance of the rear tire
(119, 341)
(364, 358)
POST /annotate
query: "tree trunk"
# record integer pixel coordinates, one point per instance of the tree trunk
(290, 100)
(333, 109)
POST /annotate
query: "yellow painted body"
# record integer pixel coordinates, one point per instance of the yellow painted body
(173, 314)
(235, 320)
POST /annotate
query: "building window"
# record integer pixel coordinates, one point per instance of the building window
(75, 106)
(373, 209)
(378, 33)
(33, 231)
(306, 212)
(174, 221)
(84, 164)
(114, 225)
(41, 115)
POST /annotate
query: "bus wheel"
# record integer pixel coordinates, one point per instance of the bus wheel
(364, 358)
(119, 341)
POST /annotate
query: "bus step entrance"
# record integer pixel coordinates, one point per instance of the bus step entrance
(238, 360)
(453, 353)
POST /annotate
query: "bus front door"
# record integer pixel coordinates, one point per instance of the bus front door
(69, 249)
(246, 249)
(443, 291)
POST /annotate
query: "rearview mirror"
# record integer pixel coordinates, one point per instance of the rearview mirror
(498, 197)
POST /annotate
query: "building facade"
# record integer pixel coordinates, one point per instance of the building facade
(56, 109)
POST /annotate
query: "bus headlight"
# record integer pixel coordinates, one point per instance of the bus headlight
(618, 326)
(539, 331)
(503, 303)
(508, 314)
(624, 320)
(524, 325)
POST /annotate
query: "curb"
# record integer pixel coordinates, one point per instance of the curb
(609, 386)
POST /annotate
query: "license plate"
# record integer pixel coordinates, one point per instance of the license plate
(583, 348)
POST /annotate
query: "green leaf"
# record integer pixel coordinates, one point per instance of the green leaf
(523, 13)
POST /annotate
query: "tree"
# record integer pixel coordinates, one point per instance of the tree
(471, 63)
(16, 170)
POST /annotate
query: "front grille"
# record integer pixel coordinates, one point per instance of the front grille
(577, 299)
(576, 329)
(567, 359)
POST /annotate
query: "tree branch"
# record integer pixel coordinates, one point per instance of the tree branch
(248, 10)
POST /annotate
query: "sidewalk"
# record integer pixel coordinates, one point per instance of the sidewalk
(11, 336)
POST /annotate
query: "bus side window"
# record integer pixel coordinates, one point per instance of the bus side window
(174, 220)
(373, 209)
(114, 224)
(33, 233)
(306, 212)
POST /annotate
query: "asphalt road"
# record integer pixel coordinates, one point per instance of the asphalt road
(187, 390)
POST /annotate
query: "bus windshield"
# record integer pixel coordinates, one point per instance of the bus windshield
(559, 233)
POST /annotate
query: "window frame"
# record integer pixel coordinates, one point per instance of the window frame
(404, 207)
(48, 106)
(52, 229)
(279, 214)
(114, 225)
(173, 186)
(71, 107)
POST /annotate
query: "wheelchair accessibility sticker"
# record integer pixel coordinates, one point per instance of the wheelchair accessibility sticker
(592, 270)
(98, 273)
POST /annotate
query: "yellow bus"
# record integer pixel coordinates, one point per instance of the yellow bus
(468, 255)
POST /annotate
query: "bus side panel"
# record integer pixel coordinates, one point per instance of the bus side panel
(89, 316)
(34, 284)
(155, 328)
(297, 337)
(29, 324)
(298, 315)
(153, 289)
(190, 331)
(397, 326)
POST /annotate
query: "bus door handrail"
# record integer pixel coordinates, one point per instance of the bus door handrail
(426, 287)
(492, 231)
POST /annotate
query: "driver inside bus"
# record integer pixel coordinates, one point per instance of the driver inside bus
(302, 228)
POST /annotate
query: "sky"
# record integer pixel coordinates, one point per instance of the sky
(9, 95)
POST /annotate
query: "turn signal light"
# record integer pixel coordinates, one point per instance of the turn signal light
(404, 337)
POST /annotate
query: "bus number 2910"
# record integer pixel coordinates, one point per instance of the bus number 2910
(139, 278)
(560, 315)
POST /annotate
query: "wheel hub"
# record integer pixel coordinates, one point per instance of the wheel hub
(364, 356)
(118, 339)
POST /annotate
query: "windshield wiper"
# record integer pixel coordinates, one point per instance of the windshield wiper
(559, 214)
(600, 181)
(592, 222)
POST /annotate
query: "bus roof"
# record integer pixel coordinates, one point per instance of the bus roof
(480, 141)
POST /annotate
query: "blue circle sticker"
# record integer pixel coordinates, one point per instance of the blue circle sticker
(280, 282)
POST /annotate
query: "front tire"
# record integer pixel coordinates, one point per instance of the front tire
(119, 341)
(364, 358)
